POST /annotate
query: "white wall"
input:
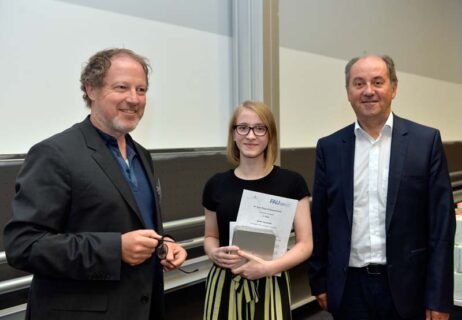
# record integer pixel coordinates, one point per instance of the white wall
(44, 44)
(314, 102)
(422, 36)
(312, 94)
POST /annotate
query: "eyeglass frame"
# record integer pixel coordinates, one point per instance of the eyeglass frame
(250, 129)
(162, 251)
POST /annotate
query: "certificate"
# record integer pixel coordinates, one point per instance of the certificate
(265, 211)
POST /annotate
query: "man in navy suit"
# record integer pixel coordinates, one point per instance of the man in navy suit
(86, 215)
(382, 211)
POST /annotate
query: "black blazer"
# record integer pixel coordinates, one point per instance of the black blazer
(71, 206)
(420, 222)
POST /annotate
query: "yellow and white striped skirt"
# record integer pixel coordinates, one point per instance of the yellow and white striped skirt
(232, 297)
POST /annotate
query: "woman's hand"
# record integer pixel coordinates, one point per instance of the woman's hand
(254, 268)
(225, 257)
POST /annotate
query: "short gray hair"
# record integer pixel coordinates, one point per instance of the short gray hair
(388, 61)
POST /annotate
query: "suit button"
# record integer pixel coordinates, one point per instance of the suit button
(144, 299)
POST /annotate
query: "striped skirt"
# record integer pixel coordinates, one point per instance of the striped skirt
(231, 297)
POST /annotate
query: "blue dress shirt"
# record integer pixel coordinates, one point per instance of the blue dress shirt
(136, 177)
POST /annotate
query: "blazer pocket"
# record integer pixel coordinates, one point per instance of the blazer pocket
(79, 302)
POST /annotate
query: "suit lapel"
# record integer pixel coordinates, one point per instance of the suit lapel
(347, 165)
(102, 155)
(398, 151)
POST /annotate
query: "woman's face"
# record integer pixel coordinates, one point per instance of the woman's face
(251, 145)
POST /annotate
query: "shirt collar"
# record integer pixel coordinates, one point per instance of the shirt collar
(388, 126)
(110, 140)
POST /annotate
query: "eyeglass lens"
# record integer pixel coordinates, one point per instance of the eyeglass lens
(162, 251)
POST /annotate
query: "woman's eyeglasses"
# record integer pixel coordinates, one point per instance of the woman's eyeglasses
(244, 129)
(162, 251)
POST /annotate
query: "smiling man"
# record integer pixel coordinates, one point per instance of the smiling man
(382, 211)
(86, 216)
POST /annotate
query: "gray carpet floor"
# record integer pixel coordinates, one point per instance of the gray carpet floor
(311, 311)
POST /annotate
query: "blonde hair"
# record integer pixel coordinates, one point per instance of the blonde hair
(266, 116)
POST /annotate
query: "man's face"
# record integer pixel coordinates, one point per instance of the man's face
(370, 91)
(118, 105)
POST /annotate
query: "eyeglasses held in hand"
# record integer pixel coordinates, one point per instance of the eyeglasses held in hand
(162, 251)
(243, 130)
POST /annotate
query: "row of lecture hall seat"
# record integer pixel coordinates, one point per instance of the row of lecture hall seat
(456, 183)
(183, 174)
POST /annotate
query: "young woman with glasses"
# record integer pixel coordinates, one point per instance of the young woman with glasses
(241, 285)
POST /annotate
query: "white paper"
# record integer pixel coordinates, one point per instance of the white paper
(261, 210)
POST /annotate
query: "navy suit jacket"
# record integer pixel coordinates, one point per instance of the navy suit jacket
(420, 221)
(71, 206)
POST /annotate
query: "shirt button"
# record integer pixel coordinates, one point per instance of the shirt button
(144, 299)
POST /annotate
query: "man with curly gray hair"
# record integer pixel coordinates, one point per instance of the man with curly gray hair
(86, 215)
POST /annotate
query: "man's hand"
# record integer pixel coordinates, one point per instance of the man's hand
(435, 315)
(322, 300)
(138, 245)
(176, 255)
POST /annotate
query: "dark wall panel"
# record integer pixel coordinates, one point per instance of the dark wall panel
(183, 175)
(454, 155)
(301, 160)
